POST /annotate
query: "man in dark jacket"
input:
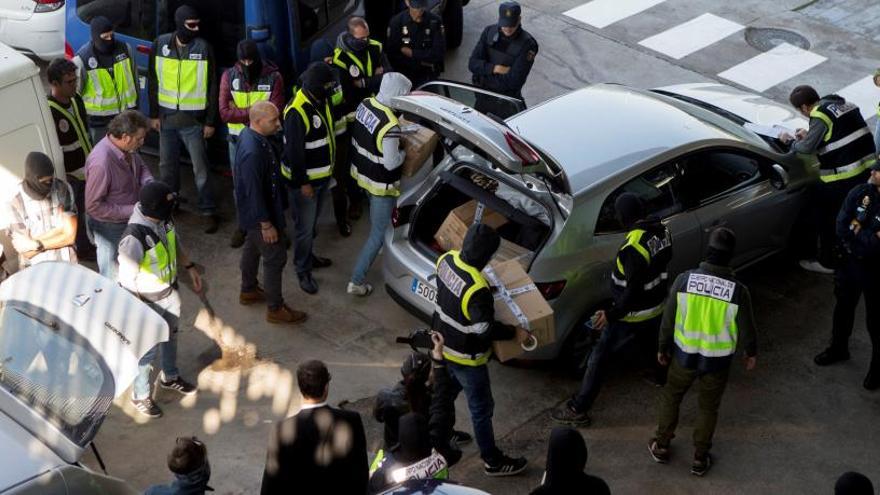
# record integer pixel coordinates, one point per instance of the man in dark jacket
(411, 458)
(192, 471)
(638, 284)
(858, 273)
(566, 459)
(708, 315)
(260, 197)
(465, 315)
(416, 45)
(252, 79)
(183, 105)
(362, 61)
(504, 54)
(319, 450)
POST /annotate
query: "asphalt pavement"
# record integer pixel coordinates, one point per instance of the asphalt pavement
(786, 427)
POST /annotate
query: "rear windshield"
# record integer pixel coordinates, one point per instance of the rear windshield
(48, 366)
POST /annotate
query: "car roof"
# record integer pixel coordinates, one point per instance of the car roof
(598, 130)
(23, 456)
(14, 66)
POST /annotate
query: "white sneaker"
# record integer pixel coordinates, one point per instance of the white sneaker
(815, 266)
(362, 290)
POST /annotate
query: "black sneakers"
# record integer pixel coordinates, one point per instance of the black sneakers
(460, 438)
(830, 356)
(505, 466)
(147, 407)
(659, 453)
(179, 385)
(701, 464)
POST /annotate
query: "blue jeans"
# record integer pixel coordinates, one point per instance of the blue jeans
(615, 335)
(169, 162)
(107, 236)
(232, 141)
(169, 309)
(380, 219)
(305, 212)
(474, 380)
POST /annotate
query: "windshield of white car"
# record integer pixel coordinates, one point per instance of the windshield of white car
(47, 365)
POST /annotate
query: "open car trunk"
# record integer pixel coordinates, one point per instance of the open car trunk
(470, 195)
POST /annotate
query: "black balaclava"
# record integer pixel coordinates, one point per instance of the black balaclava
(154, 200)
(37, 165)
(247, 49)
(853, 483)
(414, 439)
(480, 244)
(319, 80)
(181, 15)
(722, 243)
(630, 209)
(566, 459)
(356, 44)
(100, 25)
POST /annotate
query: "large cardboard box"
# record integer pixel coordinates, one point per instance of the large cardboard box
(518, 303)
(419, 143)
(451, 233)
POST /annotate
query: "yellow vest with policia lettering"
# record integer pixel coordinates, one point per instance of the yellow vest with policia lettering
(457, 282)
(107, 91)
(847, 148)
(157, 273)
(320, 138)
(371, 124)
(182, 74)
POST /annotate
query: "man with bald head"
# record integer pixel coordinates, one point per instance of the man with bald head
(261, 200)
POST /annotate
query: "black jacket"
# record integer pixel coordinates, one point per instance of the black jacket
(862, 208)
(638, 273)
(426, 41)
(259, 192)
(291, 464)
(493, 48)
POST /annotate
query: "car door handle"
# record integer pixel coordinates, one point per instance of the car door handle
(714, 225)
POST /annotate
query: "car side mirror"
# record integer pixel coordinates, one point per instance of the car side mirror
(778, 177)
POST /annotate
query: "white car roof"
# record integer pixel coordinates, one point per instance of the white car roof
(23, 456)
(14, 66)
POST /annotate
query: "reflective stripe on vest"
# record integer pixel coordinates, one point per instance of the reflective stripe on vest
(78, 124)
(105, 93)
(705, 325)
(632, 240)
(316, 171)
(466, 359)
(182, 83)
(644, 315)
(847, 171)
(648, 286)
(158, 267)
(244, 99)
(362, 71)
(478, 282)
(369, 171)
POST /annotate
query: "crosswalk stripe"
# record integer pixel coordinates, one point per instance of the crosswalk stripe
(864, 94)
(770, 68)
(693, 35)
(602, 13)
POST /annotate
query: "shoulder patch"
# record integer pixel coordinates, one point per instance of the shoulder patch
(166, 51)
(63, 126)
(93, 63)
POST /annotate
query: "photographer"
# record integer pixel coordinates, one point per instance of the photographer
(425, 389)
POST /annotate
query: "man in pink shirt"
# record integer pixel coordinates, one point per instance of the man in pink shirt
(115, 173)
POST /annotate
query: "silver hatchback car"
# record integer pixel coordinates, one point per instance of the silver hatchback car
(559, 166)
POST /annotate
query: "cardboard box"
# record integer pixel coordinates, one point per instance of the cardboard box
(451, 233)
(419, 147)
(517, 294)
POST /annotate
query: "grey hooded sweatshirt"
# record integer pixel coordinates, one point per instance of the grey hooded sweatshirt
(393, 84)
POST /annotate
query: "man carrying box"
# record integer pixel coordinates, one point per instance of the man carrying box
(465, 316)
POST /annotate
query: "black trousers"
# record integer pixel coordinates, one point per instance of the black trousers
(819, 218)
(852, 280)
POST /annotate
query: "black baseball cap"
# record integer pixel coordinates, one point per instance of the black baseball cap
(418, 4)
(509, 14)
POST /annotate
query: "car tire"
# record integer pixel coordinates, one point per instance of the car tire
(453, 23)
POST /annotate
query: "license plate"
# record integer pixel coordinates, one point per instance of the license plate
(426, 291)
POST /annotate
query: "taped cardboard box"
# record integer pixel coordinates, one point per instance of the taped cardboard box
(451, 233)
(419, 143)
(518, 302)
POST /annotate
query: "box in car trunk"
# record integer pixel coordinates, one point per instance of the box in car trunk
(518, 302)
(419, 143)
(451, 233)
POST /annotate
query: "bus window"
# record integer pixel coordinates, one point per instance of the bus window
(222, 24)
(315, 15)
(135, 18)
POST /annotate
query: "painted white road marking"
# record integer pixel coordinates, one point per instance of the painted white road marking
(864, 94)
(602, 13)
(770, 68)
(693, 35)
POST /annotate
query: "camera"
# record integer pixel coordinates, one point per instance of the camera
(418, 339)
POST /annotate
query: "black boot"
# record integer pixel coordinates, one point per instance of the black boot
(831, 356)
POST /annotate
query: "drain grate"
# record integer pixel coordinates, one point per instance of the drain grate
(765, 39)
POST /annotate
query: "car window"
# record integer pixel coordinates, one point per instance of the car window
(658, 188)
(48, 366)
(315, 15)
(135, 18)
(708, 175)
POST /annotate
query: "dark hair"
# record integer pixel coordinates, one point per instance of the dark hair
(312, 378)
(58, 68)
(128, 122)
(188, 455)
(356, 21)
(803, 95)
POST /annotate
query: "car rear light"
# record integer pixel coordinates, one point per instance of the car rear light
(145, 49)
(48, 5)
(550, 290)
(522, 150)
(68, 51)
(401, 216)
